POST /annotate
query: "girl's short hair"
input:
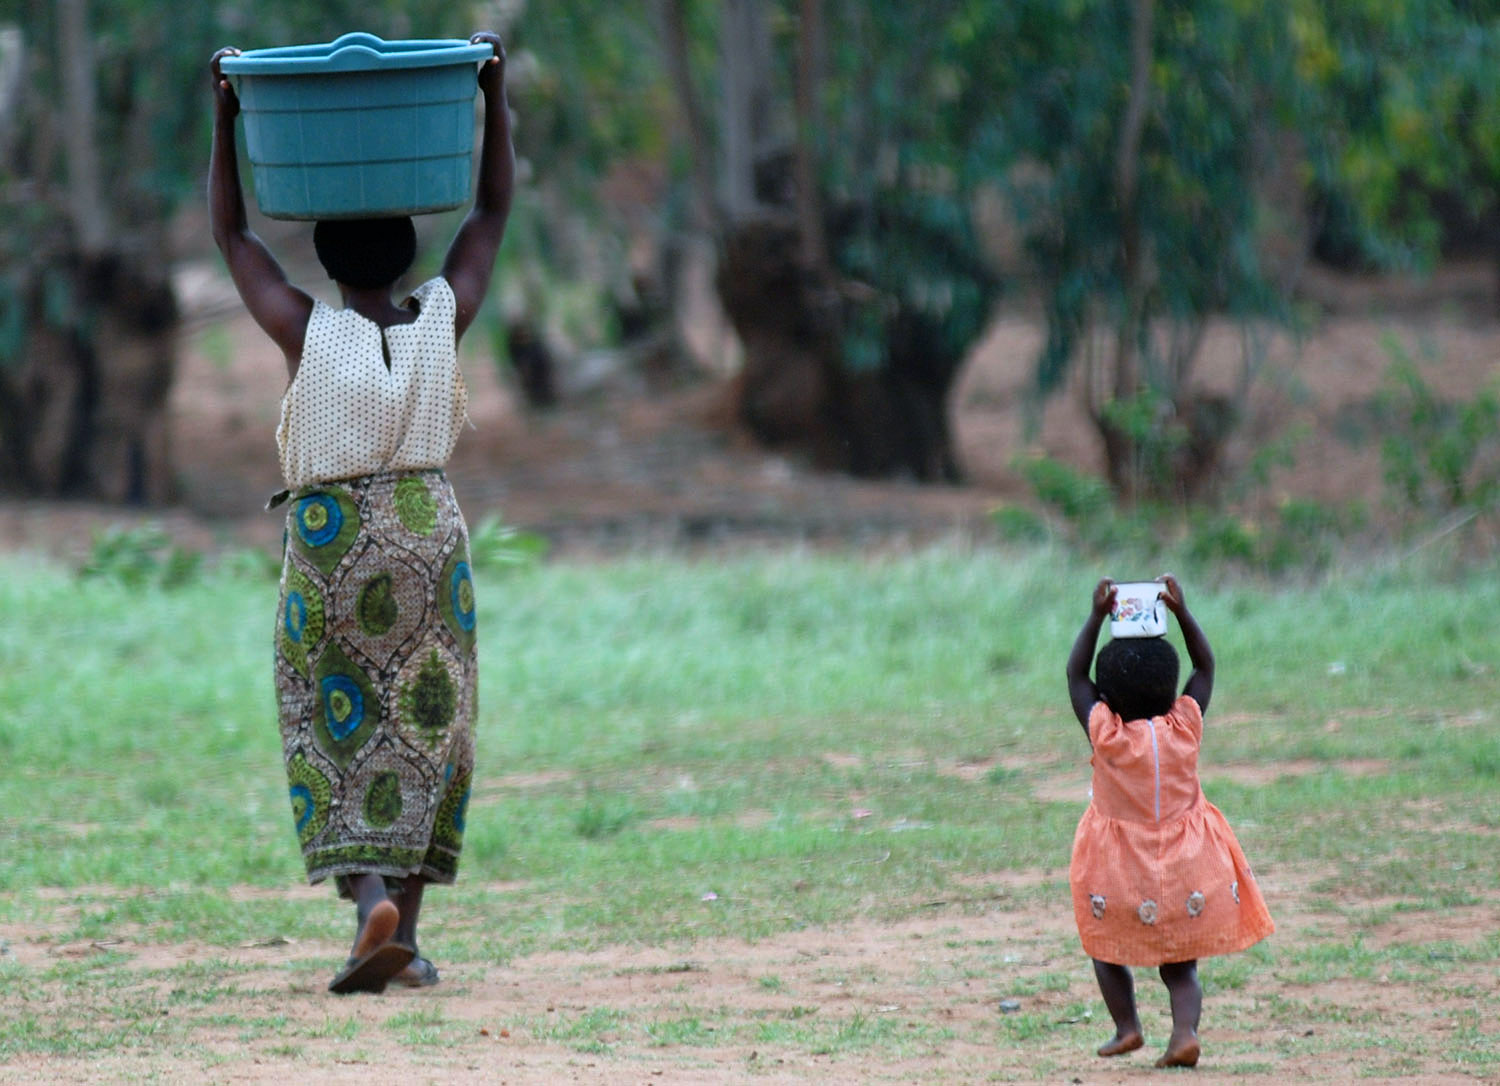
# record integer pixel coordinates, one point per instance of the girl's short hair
(365, 253)
(1137, 676)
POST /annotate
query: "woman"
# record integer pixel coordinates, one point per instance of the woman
(375, 661)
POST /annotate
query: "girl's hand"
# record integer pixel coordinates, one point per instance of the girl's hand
(1104, 597)
(1171, 593)
(224, 97)
(492, 71)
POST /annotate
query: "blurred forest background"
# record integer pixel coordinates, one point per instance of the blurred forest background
(811, 225)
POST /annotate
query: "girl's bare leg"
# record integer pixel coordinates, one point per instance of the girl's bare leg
(1118, 988)
(1181, 979)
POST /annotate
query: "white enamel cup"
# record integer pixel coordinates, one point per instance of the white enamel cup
(1139, 610)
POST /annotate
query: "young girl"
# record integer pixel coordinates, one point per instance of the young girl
(375, 660)
(1157, 875)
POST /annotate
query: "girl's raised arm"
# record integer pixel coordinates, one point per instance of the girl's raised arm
(1081, 689)
(1200, 684)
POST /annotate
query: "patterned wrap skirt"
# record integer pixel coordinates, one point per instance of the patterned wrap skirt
(376, 675)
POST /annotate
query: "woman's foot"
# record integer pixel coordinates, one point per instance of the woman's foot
(1180, 1053)
(374, 959)
(421, 973)
(1121, 1043)
(379, 926)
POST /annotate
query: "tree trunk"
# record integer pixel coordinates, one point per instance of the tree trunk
(796, 393)
(809, 203)
(83, 401)
(1121, 455)
(670, 18)
(784, 390)
(12, 73)
(84, 414)
(786, 300)
(75, 62)
(745, 105)
(1127, 184)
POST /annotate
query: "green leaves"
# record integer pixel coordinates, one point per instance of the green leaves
(1404, 101)
(12, 321)
(1438, 454)
(495, 546)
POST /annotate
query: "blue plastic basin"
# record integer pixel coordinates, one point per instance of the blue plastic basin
(359, 127)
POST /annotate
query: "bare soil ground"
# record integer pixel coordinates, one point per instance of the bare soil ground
(986, 984)
(932, 998)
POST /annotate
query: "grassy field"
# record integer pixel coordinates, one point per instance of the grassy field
(762, 817)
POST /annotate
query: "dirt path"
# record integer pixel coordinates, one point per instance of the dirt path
(988, 988)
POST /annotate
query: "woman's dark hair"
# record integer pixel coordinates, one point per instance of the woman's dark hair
(365, 252)
(1137, 676)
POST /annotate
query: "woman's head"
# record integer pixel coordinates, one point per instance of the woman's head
(365, 253)
(1137, 676)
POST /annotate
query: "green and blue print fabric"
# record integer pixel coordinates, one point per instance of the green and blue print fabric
(376, 676)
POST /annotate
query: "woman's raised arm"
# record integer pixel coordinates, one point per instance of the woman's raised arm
(471, 257)
(278, 307)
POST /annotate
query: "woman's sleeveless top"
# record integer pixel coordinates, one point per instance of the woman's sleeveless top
(367, 399)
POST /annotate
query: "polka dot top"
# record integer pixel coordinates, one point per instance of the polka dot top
(346, 413)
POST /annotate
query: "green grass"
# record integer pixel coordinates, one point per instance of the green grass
(676, 750)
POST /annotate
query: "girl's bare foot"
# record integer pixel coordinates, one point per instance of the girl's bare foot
(1122, 1043)
(1180, 1054)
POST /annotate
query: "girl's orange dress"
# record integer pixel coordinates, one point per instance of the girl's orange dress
(1157, 874)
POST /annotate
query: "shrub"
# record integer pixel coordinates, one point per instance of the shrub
(1017, 524)
(495, 546)
(141, 556)
(1438, 455)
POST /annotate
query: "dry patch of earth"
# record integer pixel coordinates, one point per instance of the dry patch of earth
(989, 988)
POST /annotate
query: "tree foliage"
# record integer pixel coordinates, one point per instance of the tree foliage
(896, 122)
(593, 133)
(149, 70)
(1127, 140)
(87, 309)
(1402, 111)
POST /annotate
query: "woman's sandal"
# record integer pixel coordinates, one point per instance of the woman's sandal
(375, 959)
(421, 973)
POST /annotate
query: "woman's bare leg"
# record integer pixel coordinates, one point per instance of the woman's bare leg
(420, 973)
(373, 959)
(410, 904)
(376, 916)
